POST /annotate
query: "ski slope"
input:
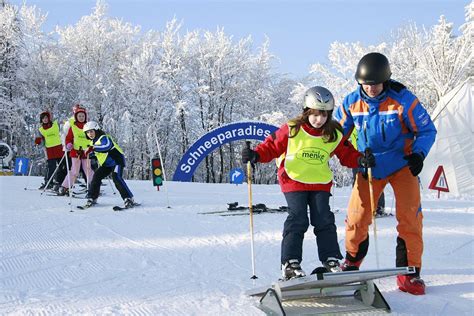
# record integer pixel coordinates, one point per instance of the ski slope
(155, 260)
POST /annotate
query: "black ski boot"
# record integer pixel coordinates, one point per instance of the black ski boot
(90, 202)
(55, 188)
(292, 269)
(63, 191)
(129, 202)
(330, 265)
(380, 212)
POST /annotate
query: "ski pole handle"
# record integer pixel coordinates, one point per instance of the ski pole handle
(247, 145)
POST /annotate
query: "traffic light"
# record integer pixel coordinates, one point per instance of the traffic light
(157, 172)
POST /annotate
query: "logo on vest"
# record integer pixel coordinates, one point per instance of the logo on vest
(312, 155)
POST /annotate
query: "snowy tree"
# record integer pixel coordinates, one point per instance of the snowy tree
(140, 94)
(25, 71)
(431, 62)
(9, 62)
(92, 51)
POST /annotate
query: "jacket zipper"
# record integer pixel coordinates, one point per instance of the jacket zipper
(383, 131)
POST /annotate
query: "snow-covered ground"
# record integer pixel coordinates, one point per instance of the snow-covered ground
(155, 260)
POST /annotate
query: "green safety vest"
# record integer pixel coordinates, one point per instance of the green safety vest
(101, 157)
(80, 139)
(51, 135)
(307, 158)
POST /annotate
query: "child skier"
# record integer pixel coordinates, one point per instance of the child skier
(305, 145)
(111, 160)
(50, 137)
(76, 145)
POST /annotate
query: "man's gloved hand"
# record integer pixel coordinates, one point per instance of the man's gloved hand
(68, 146)
(249, 155)
(89, 150)
(415, 163)
(367, 160)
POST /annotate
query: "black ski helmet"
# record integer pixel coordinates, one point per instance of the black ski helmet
(373, 68)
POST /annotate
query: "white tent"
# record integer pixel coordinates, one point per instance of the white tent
(454, 145)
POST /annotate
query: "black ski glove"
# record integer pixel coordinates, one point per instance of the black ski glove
(367, 160)
(415, 163)
(249, 155)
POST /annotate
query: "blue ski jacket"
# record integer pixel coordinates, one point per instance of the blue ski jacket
(392, 125)
(106, 145)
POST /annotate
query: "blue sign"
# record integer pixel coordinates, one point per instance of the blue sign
(215, 139)
(21, 166)
(236, 176)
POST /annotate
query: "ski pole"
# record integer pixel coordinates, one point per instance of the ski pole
(69, 183)
(372, 198)
(373, 209)
(163, 169)
(249, 186)
(111, 186)
(52, 176)
(29, 174)
(88, 169)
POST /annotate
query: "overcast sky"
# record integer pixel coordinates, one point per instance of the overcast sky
(300, 31)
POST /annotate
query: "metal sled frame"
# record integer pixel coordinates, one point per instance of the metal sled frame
(343, 292)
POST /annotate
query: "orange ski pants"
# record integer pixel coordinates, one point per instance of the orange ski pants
(408, 213)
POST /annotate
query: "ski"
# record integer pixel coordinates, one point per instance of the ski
(383, 215)
(226, 211)
(268, 210)
(233, 209)
(72, 195)
(121, 208)
(85, 192)
(78, 197)
(80, 192)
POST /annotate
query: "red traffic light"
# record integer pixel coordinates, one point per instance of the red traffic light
(156, 163)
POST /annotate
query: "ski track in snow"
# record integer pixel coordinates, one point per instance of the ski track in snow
(154, 260)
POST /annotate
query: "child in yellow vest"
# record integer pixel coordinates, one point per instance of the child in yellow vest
(49, 136)
(111, 160)
(305, 145)
(77, 144)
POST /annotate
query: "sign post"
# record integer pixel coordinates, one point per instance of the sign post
(439, 181)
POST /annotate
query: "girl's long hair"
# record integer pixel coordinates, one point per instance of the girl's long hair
(328, 129)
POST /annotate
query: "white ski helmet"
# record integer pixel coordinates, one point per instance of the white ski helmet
(91, 126)
(318, 98)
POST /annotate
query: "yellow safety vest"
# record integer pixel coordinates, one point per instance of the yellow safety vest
(353, 138)
(80, 139)
(307, 158)
(51, 135)
(101, 157)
